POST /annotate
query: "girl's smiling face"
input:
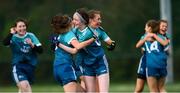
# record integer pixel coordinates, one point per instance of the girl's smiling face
(21, 28)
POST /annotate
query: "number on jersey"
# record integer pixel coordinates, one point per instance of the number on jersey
(153, 47)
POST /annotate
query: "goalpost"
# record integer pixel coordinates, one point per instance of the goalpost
(165, 10)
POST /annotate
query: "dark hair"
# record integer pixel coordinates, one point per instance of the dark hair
(20, 20)
(92, 13)
(84, 14)
(154, 25)
(61, 23)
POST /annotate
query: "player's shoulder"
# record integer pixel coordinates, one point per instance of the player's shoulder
(101, 28)
(161, 36)
(68, 34)
(30, 33)
(142, 36)
(74, 29)
(167, 35)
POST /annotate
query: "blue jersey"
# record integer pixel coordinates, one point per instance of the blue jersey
(155, 54)
(22, 51)
(61, 56)
(142, 64)
(167, 46)
(94, 50)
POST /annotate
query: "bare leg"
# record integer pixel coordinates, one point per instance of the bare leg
(103, 81)
(152, 84)
(97, 85)
(24, 87)
(139, 85)
(90, 83)
(70, 87)
(161, 85)
(82, 82)
(80, 89)
(19, 91)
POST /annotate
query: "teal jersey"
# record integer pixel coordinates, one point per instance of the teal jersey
(167, 46)
(155, 54)
(102, 35)
(88, 32)
(142, 37)
(83, 35)
(22, 51)
(167, 36)
(94, 50)
(61, 56)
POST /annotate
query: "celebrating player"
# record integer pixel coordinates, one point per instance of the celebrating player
(24, 46)
(63, 63)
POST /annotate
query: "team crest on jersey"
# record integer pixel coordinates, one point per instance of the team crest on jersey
(25, 49)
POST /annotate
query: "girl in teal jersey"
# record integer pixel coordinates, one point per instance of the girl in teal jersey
(101, 79)
(150, 39)
(163, 25)
(80, 20)
(63, 59)
(24, 46)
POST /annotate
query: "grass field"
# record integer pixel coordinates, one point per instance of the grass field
(113, 88)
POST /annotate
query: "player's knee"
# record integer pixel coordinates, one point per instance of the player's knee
(24, 85)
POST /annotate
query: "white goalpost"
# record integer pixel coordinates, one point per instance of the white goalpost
(165, 12)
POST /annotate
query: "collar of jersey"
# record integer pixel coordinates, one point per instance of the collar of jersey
(92, 28)
(17, 35)
(83, 29)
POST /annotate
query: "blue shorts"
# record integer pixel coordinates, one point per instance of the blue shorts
(156, 72)
(78, 70)
(78, 65)
(23, 71)
(141, 72)
(65, 73)
(99, 67)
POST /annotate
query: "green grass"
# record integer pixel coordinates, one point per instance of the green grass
(113, 88)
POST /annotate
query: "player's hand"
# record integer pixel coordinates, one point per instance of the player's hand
(148, 36)
(112, 46)
(29, 41)
(13, 30)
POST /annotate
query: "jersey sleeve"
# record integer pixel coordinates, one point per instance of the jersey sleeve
(35, 39)
(168, 36)
(103, 35)
(142, 37)
(69, 37)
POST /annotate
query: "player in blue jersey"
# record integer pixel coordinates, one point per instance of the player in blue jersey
(24, 46)
(141, 72)
(80, 21)
(63, 63)
(83, 32)
(95, 66)
(163, 25)
(155, 56)
(141, 68)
